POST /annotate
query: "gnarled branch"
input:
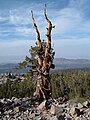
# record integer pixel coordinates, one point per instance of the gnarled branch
(44, 52)
(38, 40)
(48, 45)
(48, 29)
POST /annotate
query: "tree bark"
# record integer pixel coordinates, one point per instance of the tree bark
(43, 87)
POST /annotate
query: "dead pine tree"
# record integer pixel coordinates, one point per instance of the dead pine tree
(45, 61)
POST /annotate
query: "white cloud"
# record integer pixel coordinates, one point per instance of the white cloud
(2, 19)
(24, 30)
(66, 21)
(15, 43)
(19, 16)
(71, 21)
(80, 5)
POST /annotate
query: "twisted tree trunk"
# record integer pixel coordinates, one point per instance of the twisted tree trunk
(45, 60)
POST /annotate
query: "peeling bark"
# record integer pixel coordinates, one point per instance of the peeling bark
(43, 87)
(38, 40)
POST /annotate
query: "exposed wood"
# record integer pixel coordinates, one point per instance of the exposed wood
(48, 34)
(43, 88)
(38, 91)
(38, 40)
(46, 62)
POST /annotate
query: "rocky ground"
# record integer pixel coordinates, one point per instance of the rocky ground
(30, 109)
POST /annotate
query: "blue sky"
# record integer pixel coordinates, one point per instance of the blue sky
(70, 38)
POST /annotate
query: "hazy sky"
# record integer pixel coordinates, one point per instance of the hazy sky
(71, 36)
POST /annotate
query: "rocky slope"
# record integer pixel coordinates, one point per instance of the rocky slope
(29, 109)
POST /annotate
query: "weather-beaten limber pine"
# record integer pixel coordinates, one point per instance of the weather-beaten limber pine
(41, 61)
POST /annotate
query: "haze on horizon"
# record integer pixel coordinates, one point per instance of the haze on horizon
(71, 36)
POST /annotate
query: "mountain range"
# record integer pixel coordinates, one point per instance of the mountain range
(60, 64)
(63, 63)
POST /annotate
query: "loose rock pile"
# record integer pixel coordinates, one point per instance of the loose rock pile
(28, 109)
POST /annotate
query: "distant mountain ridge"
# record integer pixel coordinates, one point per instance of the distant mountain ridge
(63, 63)
(60, 63)
(7, 67)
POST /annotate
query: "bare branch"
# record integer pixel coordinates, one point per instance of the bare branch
(48, 34)
(48, 45)
(38, 40)
(49, 23)
(43, 88)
